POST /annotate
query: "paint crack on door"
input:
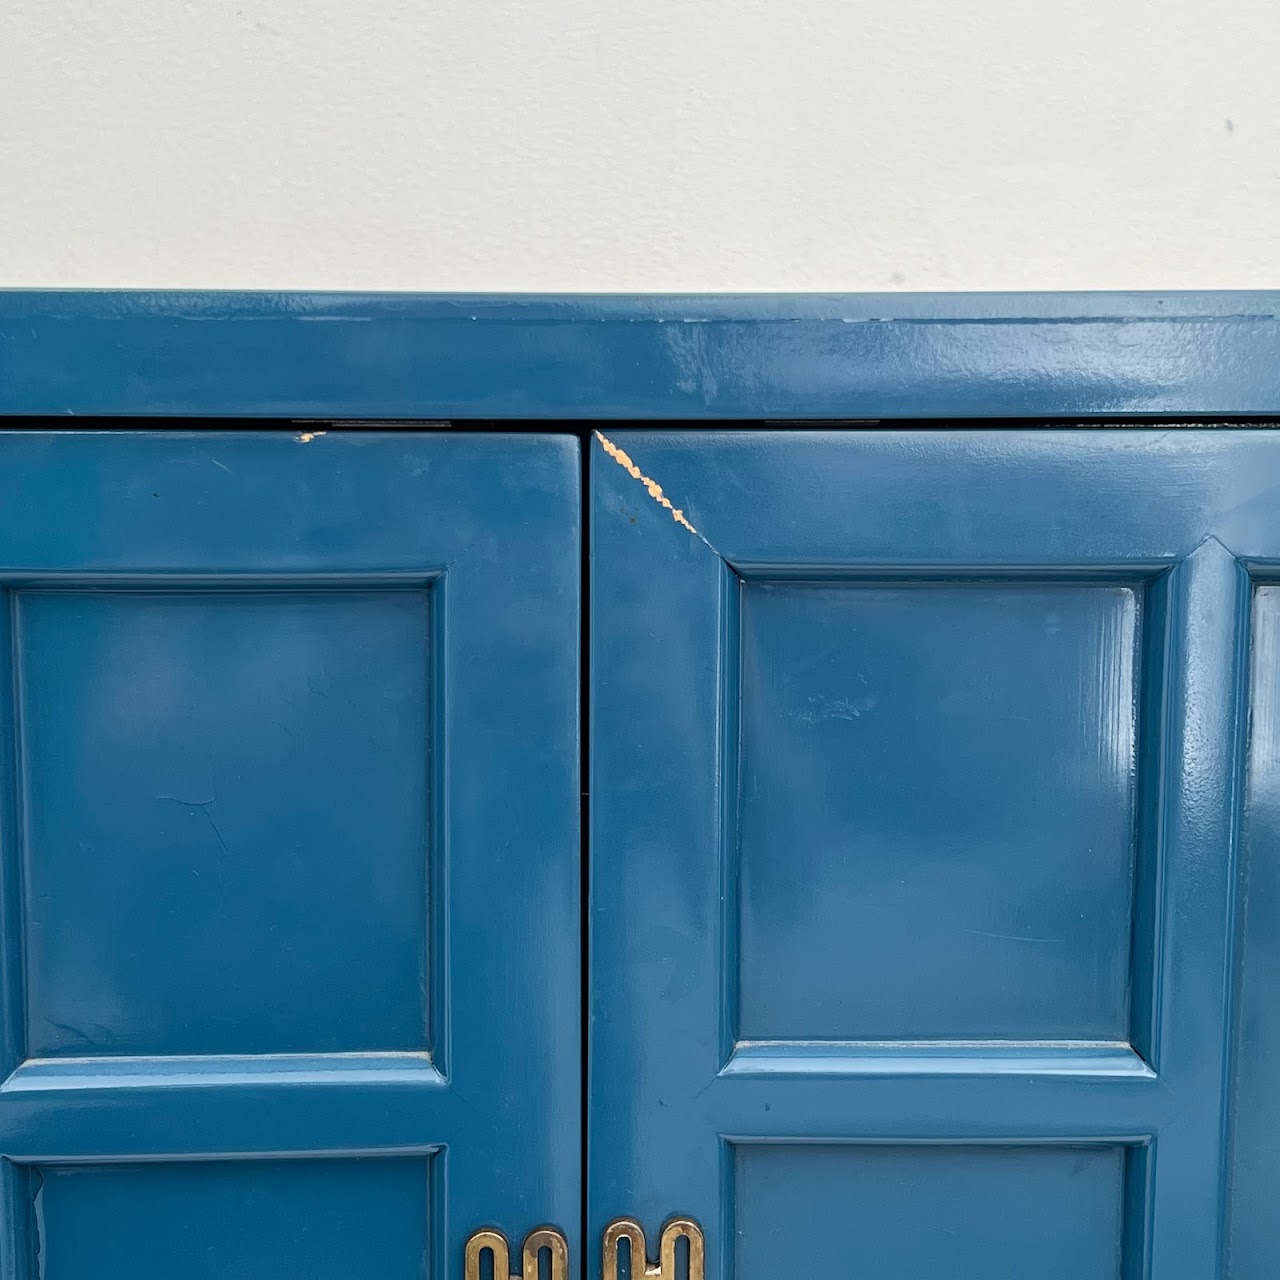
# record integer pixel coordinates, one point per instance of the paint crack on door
(623, 459)
(37, 1223)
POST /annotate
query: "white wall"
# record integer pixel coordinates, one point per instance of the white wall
(641, 145)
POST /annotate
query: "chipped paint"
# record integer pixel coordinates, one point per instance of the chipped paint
(654, 488)
(308, 436)
(37, 1222)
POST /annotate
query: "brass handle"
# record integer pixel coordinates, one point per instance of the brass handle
(665, 1268)
(489, 1240)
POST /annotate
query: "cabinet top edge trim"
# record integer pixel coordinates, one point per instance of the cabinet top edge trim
(780, 358)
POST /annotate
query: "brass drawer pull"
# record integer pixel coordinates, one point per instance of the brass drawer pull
(496, 1243)
(665, 1267)
(492, 1241)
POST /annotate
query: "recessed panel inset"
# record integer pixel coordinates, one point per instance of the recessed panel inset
(936, 818)
(907, 1212)
(226, 817)
(248, 1219)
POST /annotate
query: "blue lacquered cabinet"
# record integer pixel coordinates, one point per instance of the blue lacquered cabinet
(930, 884)
(934, 888)
(289, 745)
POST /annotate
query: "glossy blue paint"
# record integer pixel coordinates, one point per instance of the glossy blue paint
(873, 1195)
(133, 706)
(289, 825)
(404, 356)
(1256, 1109)
(831, 674)
(738, 1074)
(918, 774)
(273, 1218)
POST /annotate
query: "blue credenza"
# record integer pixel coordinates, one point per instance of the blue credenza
(786, 787)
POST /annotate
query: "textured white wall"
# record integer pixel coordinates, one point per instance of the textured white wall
(641, 145)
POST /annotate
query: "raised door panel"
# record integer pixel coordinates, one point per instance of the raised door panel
(918, 773)
(289, 822)
(936, 792)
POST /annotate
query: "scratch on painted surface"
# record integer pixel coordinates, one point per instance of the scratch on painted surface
(654, 488)
(1012, 937)
(308, 436)
(203, 806)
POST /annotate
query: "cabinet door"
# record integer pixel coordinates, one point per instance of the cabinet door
(918, 768)
(289, 819)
